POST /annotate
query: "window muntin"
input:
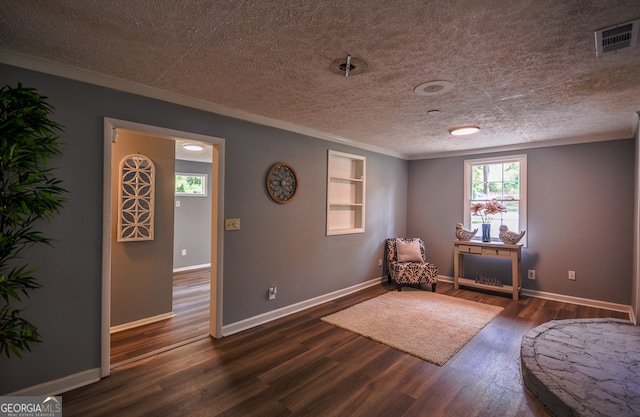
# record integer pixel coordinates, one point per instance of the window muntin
(502, 178)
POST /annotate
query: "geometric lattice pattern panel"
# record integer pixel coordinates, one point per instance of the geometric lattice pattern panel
(136, 198)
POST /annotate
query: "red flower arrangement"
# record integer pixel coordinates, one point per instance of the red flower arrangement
(487, 210)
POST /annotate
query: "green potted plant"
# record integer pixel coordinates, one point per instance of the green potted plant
(29, 193)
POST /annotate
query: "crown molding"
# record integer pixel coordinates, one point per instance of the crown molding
(90, 77)
(596, 137)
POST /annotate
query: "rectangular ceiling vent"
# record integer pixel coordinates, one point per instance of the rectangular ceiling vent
(618, 37)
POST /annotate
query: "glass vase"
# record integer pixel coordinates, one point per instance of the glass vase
(486, 232)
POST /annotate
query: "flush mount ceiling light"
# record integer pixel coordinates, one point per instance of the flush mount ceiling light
(348, 66)
(464, 130)
(433, 88)
(192, 147)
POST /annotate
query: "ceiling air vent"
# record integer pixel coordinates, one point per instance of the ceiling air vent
(618, 37)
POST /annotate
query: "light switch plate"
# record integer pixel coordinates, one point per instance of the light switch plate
(232, 224)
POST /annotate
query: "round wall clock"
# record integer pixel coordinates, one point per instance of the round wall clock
(282, 183)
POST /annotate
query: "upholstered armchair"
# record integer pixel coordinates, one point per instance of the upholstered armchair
(407, 263)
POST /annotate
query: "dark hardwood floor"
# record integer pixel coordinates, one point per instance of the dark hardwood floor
(301, 366)
(191, 321)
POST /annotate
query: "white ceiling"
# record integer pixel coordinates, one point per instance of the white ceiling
(524, 71)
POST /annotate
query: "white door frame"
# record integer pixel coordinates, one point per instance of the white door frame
(217, 229)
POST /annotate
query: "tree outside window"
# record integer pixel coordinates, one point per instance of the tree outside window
(191, 184)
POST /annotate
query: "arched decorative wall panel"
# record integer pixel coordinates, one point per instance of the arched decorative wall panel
(136, 198)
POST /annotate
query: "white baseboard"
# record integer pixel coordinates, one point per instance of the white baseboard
(191, 267)
(90, 376)
(578, 300)
(587, 302)
(141, 322)
(245, 324)
(59, 386)
(294, 308)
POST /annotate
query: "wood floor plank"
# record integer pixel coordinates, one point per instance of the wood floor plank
(191, 308)
(301, 366)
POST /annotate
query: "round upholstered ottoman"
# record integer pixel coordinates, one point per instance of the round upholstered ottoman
(584, 367)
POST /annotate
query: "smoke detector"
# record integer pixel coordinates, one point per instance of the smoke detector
(612, 39)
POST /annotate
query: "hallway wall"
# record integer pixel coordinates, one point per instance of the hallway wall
(142, 272)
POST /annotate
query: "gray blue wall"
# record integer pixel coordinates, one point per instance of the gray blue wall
(278, 244)
(193, 220)
(285, 244)
(580, 217)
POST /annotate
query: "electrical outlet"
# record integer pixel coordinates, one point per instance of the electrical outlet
(184, 252)
(532, 274)
(572, 275)
(272, 292)
(177, 203)
(379, 262)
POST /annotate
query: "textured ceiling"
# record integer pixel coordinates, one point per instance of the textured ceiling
(524, 71)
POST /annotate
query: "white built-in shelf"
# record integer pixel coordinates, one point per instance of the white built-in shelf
(345, 193)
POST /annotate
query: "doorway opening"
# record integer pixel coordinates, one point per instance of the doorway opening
(126, 267)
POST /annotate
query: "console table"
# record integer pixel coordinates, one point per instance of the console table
(462, 248)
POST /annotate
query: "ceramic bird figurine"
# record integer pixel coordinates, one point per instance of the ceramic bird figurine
(509, 237)
(464, 234)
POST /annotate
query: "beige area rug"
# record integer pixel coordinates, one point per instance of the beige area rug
(428, 325)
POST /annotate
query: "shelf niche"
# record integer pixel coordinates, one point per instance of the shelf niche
(346, 184)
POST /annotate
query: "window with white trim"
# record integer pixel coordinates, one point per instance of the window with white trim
(503, 179)
(191, 184)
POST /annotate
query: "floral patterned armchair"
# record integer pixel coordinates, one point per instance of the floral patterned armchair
(407, 263)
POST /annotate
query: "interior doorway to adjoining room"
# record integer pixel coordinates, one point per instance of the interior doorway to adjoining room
(148, 261)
